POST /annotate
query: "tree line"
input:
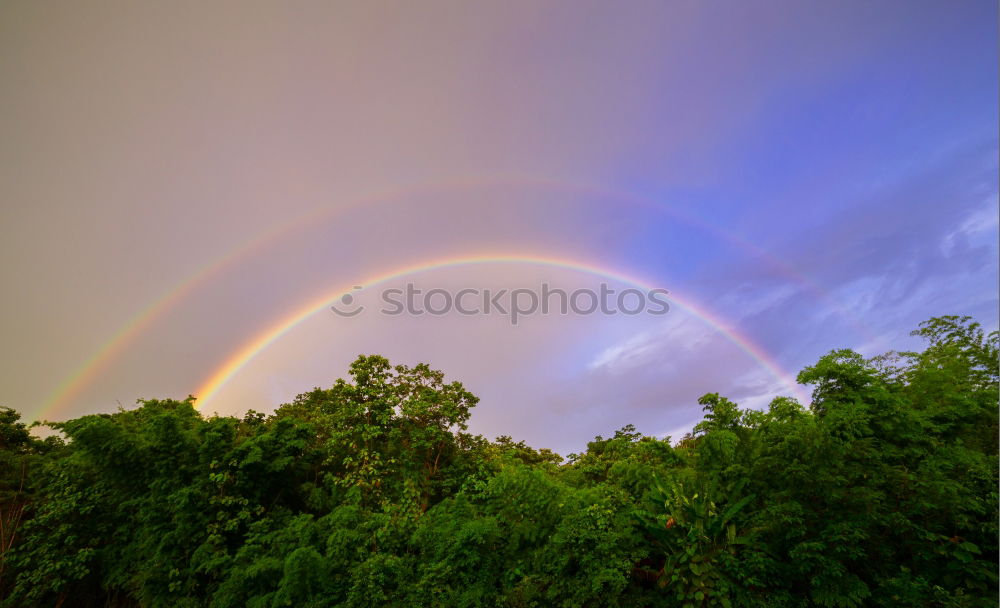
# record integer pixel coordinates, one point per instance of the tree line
(371, 493)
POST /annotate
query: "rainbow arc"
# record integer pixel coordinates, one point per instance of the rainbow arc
(236, 361)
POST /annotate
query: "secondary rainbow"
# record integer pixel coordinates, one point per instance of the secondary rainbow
(74, 384)
(210, 387)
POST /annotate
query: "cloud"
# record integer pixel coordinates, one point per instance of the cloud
(816, 177)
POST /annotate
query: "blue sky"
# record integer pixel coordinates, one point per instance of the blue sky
(815, 175)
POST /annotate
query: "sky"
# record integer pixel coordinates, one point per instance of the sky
(186, 188)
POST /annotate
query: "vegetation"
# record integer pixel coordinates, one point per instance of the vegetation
(883, 492)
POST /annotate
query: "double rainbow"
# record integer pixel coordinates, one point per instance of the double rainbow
(74, 384)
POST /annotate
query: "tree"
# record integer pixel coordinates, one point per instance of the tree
(883, 492)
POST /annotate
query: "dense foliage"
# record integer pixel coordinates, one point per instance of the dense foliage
(883, 492)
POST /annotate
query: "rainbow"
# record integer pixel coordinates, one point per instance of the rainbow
(74, 384)
(211, 386)
(111, 350)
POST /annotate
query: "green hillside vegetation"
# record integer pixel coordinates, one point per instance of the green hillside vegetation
(883, 492)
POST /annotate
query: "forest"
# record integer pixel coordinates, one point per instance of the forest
(371, 493)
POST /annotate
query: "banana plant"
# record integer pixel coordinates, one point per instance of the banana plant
(693, 525)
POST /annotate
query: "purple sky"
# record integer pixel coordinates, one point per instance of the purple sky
(816, 175)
